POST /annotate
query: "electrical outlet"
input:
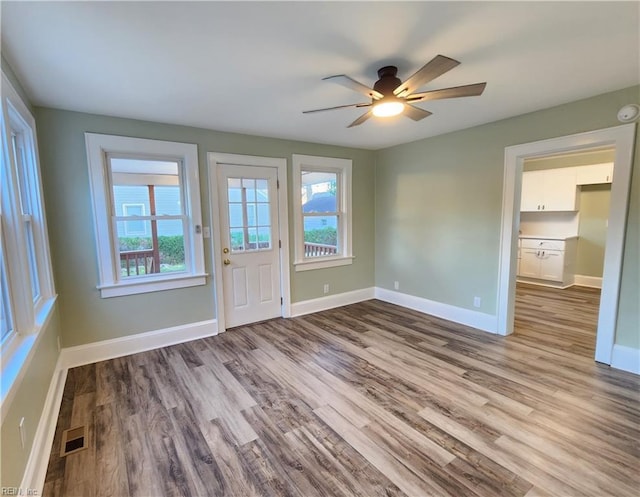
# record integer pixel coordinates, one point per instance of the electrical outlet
(396, 285)
(23, 433)
(477, 301)
(206, 232)
(326, 288)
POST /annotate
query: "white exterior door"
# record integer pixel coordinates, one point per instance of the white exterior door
(248, 208)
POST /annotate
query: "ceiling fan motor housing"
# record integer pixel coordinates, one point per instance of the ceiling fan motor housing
(388, 80)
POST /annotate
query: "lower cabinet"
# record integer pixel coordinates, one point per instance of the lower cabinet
(548, 260)
(542, 264)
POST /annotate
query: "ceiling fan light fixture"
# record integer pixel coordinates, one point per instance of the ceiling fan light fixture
(388, 108)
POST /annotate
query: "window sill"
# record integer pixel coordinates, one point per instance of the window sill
(323, 263)
(16, 359)
(147, 285)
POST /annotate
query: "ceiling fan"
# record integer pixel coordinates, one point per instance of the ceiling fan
(390, 96)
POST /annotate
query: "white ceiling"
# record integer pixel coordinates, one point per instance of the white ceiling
(254, 67)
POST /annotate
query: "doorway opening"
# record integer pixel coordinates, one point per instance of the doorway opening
(564, 213)
(621, 140)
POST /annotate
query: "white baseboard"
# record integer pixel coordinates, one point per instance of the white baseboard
(36, 469)
(626, 358)
(590, 281)
(132, 344)
(475, 319)
(331, 301)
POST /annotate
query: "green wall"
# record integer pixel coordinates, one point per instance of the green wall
(592, 232)
(438, 207)
(31, 392)
(86, 317)
(28, 403)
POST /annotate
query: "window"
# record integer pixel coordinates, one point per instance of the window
(26, 278)
(138, 226)
(322, 215)
(146, 206)
(249, 218)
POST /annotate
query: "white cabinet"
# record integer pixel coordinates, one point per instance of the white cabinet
(594, 174)
(542, 264)
(549, 190)
(548, 260)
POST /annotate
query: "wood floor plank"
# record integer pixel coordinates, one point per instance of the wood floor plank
(365, 400)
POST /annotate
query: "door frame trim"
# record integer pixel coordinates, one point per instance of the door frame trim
(213, 160)
(620, 137)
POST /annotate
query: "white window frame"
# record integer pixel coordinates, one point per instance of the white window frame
(342, 167)
(29, 315)
(110, 283)
(126, 226)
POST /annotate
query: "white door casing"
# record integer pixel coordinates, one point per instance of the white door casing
(254, 284)
(621, 138)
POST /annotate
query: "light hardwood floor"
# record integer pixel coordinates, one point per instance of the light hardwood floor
(366, 400)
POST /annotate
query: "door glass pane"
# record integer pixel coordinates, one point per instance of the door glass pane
(320, 236)
(264, 237)
(319, 191)
(263, 215)
(249, 186)
(253, 238)
(234, 187)
(251, 214)
(249, 209)
(262, 190)
(236, 236)
(236, 216)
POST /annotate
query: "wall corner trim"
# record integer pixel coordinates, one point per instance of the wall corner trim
(140, 342)
(626, 359)
(474, 319)
(36, 468)
(331, 301)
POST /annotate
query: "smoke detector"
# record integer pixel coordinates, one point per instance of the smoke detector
(629, 113)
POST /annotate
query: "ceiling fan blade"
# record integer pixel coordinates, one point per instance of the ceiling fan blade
(336, 107)
(430, 71)
(352, 84)
(415, 113)
(361, 119)
(454, 92)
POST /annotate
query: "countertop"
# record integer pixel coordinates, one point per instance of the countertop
(538, 237)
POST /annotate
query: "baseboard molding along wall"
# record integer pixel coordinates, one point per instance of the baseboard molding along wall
(626, 358)
(590, 281)
(140, 342)
(36, 469)
(475, 319)
(331, 301)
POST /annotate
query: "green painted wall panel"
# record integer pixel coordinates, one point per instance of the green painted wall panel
(438, 207)
(88, 318)
(28, 403)
(592, 232)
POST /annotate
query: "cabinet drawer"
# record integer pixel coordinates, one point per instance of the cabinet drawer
(538, 243)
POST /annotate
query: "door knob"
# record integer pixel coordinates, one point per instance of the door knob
(226, 262)
(225, 250)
